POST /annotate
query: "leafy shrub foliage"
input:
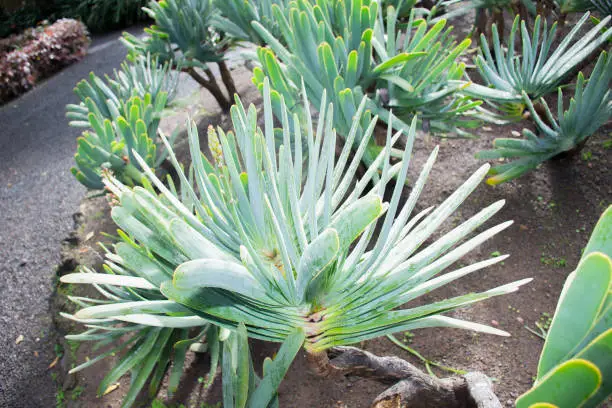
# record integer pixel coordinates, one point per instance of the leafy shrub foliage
(101, 15)
(43, 52)
(576, 363)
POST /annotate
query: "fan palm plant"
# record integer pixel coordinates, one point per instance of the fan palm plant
(255, 245)
(589, 109)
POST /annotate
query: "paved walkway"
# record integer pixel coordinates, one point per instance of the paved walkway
(38, 196)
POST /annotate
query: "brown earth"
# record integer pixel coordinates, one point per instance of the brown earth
(554, 209)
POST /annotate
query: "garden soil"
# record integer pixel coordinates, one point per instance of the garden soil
(554, 209)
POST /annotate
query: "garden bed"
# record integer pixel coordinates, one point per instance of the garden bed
(554, 209)
(38, 53)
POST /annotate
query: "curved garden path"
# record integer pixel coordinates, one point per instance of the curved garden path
(38, 196)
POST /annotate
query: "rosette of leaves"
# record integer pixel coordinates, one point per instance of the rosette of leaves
(589, 109)
(354, 55)
(329, 47)
(538, 70)
(144, 75)
(122, 114)
(575, 367)
(138, 77)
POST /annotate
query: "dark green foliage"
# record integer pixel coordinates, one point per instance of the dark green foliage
(103, 15)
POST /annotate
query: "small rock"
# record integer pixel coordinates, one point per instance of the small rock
(495, 323)
(20, 338)
(520, 320)
(509, 403)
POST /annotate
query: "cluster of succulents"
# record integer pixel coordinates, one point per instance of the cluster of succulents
(276, 235)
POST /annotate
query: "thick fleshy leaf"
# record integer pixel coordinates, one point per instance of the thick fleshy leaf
(568, 385)
(215, 273)
(576, 313)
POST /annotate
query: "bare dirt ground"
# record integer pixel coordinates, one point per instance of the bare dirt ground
(554, 210)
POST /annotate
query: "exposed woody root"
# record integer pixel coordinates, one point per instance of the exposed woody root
(411, 387)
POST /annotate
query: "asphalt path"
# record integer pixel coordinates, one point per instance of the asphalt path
(38, 196)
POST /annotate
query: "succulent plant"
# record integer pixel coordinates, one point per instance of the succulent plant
(184, 34)
(590, 108)
(122, 114)
(133, 318)
(246, 242)
(235, 18)
(575, 366)
(538, 70)
(429, 81)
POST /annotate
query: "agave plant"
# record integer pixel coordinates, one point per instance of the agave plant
(589, 109)
(537, 71)
(576, 364)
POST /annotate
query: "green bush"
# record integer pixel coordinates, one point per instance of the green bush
(39, 53)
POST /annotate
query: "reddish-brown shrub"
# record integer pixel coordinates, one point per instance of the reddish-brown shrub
(38, 53)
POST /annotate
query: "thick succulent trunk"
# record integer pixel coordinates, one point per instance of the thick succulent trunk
(211, 86)
(228, 80)
(411, 387)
